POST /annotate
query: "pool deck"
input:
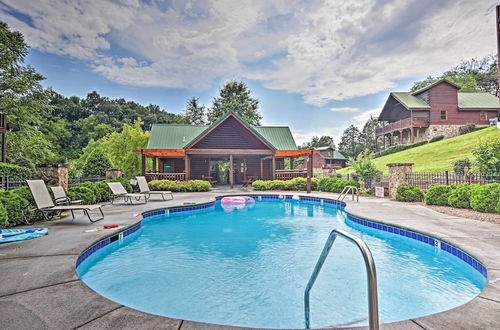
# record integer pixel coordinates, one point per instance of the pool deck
(39, 288)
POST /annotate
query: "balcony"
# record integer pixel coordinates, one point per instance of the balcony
(400, 125)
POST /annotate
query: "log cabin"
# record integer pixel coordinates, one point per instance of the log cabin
(185, 152)
(327, 158)
(437, 109)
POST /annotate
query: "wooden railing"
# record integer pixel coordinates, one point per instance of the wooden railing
(402, 124)
(290, 174)
(165, 176)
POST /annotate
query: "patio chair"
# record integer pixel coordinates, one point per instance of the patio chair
(144, 189)
(46, 206)
(117, 191)
(60, 197)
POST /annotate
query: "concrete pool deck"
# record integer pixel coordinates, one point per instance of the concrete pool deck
(39, 288)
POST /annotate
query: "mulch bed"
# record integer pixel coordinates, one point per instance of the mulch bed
(465, 213)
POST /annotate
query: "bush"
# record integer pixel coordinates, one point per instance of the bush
(487, 155)
(4, 219)
(398, 147)
(295, 184)
(436, 138)
(15, 172)
(485, 198)
(96, 164)
(180, 186)
(82, 192)
(459, 164)
(469, 128)
(438, 194)
(460, 196)
(409, 194)
(14, 205)
(335, 185)
(498, 206)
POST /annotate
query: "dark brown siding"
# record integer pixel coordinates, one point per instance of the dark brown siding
(199, 168)
(178, 164)
(230, 135)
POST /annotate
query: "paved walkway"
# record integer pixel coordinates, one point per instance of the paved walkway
(39, 288)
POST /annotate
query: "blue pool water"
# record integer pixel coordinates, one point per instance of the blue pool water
(249, 267)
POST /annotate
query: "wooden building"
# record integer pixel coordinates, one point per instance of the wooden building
(184, 152)
(327, 158)
(438, 109)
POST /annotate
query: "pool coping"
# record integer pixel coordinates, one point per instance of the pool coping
(466, 315)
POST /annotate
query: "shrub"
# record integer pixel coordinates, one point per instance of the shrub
(96, 164)
(4, 219)
(14, 205)
(466, 129)
(363, 165)
(487, 155)
(82, 192)
(438, 194)
(295, 184)
(15, 172)
(498, 206)
(459, 164)
(485, 198)
(460, 196)
(436, 138)
(180, 186)
(335, 185)
(409, 194)
(397, 148)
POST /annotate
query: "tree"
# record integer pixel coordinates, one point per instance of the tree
(350, 142)
(368, 137)
(235, 96)
(96, 164)
(363, 165)
(487, 155)
(318, 142)
(194, 113)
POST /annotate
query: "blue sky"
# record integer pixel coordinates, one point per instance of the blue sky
(316, 66)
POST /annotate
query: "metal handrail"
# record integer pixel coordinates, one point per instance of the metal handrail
(371, 275)
(345, 192)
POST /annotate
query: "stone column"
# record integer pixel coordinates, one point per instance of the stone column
(398, 176)
(112, 173)
(53, 174)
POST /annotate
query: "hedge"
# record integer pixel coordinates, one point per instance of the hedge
(14, 205)
(485, 198)
(436, 138)
(409, 194)
(398, 147)
(438, 194)
(15, 172)
(180, 186)
(295, 184)
(335, 185)
(460, 196)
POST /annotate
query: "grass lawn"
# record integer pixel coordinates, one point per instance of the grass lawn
(436, 156)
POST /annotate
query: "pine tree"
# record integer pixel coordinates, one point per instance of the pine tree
(350, 145)
(195, 113)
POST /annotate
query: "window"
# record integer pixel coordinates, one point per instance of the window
(444, 115)
(482, 115)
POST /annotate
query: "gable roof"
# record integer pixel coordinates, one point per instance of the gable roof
(421, 90)
(409, 100)
(478, 101)
(173, 136)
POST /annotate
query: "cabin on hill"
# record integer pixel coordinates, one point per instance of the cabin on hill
(437, 109)
(327, 158)
(185, 152)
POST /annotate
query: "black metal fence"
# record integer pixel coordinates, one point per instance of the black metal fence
(6, 183)
(424, 180)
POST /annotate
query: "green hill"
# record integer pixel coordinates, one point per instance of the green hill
(436, 156)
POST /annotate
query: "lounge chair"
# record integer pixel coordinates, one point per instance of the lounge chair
(60, 197)
(117, 191)
(46, 206)
(144, 189)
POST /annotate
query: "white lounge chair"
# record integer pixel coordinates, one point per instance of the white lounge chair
(144, 189)
(61, 198)
(117, 191)
(46, 206)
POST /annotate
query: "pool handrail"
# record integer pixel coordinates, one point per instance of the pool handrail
(371, 272)
(352, 189)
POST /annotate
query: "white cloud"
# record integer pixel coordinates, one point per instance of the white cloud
(323, 49)
(344, 109)
(363, 117)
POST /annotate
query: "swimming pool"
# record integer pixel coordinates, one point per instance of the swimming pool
(249, 266)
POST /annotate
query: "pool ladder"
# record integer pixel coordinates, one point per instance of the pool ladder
(349, 189)
(373, 322)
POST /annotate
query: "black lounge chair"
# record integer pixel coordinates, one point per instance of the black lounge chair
(46, 206)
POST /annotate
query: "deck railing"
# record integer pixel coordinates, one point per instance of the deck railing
(402, 124)
(165, 176)
(290, 174)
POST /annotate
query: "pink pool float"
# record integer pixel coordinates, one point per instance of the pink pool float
(237, 200)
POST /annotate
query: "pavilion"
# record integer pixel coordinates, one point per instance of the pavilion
(185, 152)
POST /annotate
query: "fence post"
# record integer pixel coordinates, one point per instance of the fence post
(398, 176)
(446, 178)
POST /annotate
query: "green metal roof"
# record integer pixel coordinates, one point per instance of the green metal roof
(477, 101)
(338, 155)
(167, 136)
(410, 101)
(172, 136)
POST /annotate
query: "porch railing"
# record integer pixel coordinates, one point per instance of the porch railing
(166, 176)
(290, 174)
(402, 124)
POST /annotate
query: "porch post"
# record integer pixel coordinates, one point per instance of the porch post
(208, 161)
(154, 165)
(244, 170)
(273, 170)
(231, 171)
(261, 169)
(291, 163)
(187, 167)
(143, 164)
(309, 171)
